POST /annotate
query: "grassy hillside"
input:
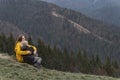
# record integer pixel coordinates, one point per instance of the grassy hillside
(12, 70)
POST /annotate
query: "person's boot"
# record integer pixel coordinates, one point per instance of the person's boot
(37, 65)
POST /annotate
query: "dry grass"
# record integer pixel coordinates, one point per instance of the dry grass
(5, 56)
(12, 70)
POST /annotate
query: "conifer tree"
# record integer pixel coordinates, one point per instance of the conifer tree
(10, 45)
(115, 64)
(108, 66)
(4, 42)
(1, 46)
(30, 40)
(97, 61)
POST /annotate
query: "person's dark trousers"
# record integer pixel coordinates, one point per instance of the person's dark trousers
(28, 59)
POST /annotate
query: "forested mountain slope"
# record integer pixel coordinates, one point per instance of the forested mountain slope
(62, 27)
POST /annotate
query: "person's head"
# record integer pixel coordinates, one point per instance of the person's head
(20, 38)
(24, 43)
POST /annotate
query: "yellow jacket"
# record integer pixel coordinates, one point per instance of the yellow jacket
(19, 52)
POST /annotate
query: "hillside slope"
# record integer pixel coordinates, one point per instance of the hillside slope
(12, 70)
(8, 28)
(105, 10)
(107, 14)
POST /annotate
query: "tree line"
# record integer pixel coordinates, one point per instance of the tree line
(64, 60)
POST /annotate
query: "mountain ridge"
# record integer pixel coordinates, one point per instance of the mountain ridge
(93, 8)
(80, 28)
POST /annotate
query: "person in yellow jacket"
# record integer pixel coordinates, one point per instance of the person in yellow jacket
(21, 53)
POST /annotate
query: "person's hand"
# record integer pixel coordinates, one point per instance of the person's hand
(35, 52)
(29, 52)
